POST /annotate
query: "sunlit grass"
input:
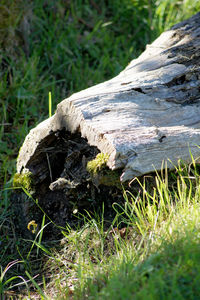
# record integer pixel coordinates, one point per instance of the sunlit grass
(156, 256)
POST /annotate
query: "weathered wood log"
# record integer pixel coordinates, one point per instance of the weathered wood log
(147, 114)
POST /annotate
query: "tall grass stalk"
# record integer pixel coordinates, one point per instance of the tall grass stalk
(50, 105)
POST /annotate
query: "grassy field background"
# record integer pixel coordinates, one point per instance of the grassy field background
(65, 46)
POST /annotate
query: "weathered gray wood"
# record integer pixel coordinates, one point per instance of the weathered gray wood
(150, 112)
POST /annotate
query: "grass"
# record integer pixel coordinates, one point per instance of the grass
(49, 50)
(155, 254)
(158, 257)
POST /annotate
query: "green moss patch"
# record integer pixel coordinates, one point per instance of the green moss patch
(23, 180)
(97, 164)
(101, 173)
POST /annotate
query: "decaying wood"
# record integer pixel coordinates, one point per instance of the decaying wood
(149, 113)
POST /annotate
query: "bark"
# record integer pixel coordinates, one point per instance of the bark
(148, 114)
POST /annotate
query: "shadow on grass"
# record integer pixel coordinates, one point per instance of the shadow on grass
(171, 273)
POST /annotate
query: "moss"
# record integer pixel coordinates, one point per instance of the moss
(97, 164)
(23, 180)
(101, 174)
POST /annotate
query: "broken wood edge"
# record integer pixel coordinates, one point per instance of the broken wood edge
(65, 120)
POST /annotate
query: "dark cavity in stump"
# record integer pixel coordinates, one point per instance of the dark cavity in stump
(63, 186)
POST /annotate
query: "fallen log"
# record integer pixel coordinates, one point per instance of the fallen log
(148, 114)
